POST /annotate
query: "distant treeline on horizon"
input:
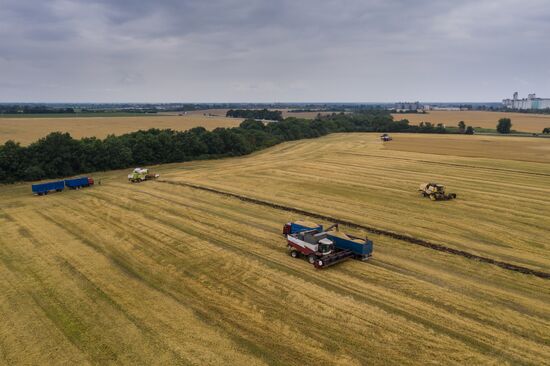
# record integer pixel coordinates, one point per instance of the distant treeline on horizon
(151, 108)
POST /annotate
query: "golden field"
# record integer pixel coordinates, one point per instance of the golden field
(27, 130)
(157, 273)
(523, 122)
(508, 148)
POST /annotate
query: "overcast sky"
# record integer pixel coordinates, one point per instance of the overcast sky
(273, 50)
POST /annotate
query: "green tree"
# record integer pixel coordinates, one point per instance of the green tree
(546, 130)
(33, 172)
(252, 124)
(504, 125)
(469, 130)
(12, 161)
(461, 126)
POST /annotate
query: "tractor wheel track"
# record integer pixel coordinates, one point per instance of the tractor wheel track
(391, 234)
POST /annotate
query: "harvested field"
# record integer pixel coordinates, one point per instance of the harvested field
(505, 148)
(166, 274)
(523, 122)
(27, 130)
(503, 213)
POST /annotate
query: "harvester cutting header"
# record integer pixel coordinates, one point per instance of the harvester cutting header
(324, 248)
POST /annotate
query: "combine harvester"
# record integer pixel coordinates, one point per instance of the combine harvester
(436, 192)
(140, 175)
(324, 248)
(385, 137)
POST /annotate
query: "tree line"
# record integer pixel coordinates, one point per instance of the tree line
(60, 155)
(33, 109)
(265, 114)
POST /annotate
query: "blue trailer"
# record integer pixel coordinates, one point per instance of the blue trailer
(360, 247)
(44, 188)
(81, 182)
(299, 226)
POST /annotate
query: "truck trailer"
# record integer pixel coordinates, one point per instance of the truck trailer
(77, 183)
(58, 186)
(44, 188)
(322, 247)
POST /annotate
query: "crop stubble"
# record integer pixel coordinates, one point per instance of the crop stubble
(157, 273)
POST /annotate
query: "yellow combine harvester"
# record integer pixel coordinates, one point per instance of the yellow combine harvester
(435, 191)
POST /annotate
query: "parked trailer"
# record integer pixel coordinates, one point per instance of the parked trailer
(324, 248)
(77, 183)
(44, 188)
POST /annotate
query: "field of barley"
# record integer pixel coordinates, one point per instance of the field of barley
(523, 122)
(161, 273)
(27, 130)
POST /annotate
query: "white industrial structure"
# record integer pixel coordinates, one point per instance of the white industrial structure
(407, 106)
(531, 102)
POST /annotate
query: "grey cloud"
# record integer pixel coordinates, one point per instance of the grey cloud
(260, 50)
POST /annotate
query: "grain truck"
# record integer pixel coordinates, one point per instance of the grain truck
(324, 248)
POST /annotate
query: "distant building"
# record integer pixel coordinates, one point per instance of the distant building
(448, 109)
(407, 106)
(427, 107)
(531, 102)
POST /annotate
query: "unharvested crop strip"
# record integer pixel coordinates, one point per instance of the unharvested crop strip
(391, 234)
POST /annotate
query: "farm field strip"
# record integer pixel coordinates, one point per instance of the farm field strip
(525, 122)
(477, 146)
(451, 164)
(28, 130)
(393, 235)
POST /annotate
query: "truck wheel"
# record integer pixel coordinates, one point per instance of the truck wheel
(311, 258)
(294, 254)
